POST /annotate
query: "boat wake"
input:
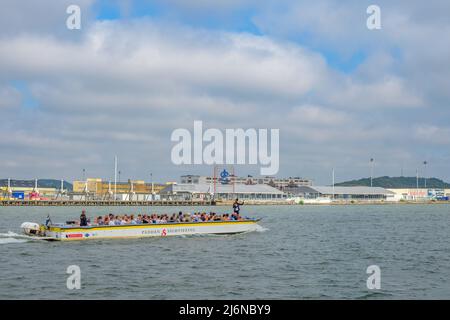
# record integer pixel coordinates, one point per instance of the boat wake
(261, 228)
(12, 237)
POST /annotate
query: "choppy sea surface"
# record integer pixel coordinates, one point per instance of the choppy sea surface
(301, 252)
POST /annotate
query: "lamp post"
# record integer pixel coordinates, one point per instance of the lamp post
(115, 178)
(151, 181)
(333, 182)
(84, 174)
(417, 184)
(371, 172)
(425, 173)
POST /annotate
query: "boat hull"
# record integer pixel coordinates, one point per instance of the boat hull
(149, 230)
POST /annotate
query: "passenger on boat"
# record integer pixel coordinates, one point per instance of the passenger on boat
(187, 218)
(237, 206)
(83, 219)
(124, 220)
(100, 221)
(214, 217)
(154, 218)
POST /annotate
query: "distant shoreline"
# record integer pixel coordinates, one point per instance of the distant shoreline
(109, 203)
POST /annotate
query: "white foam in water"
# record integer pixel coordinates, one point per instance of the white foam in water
(260, 228)
(11, 237)
(10, 234)
(11, 240)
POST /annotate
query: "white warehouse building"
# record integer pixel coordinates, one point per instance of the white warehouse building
(202, 191)
(342, 193)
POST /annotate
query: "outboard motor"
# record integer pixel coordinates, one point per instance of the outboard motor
(31, 228)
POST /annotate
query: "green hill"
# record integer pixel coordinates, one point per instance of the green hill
(397, 182)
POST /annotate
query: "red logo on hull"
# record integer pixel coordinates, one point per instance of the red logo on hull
(75, 235)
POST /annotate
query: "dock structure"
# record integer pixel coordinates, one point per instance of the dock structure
(109, 203)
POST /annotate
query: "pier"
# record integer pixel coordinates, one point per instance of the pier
(108, 203)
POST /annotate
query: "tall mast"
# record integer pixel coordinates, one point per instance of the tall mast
(371, 172)
(115, 177)
(417, 184)
(333, 183)
(130, 197)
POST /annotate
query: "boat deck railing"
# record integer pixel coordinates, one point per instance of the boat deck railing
(72, 226)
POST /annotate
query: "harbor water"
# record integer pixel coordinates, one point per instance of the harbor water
(300, 252)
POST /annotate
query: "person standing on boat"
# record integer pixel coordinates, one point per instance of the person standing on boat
(237, 207)
(48, 221)
(83, 219)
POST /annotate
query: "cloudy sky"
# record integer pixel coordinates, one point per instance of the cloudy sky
(137, 70)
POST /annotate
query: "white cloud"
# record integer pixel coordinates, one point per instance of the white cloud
(142, 57)
(317, 116)
(9, 97)
(388, 92)
(433, 135)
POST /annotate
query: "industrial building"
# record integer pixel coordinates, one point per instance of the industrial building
(203, 191)
(279, 183)
(27, 193)
(95, 188)
(413, 194)
(25, 190)
(341, 193)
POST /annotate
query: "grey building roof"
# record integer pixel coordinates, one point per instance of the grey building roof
(220, 188)
(300, 190)
(327, 190)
